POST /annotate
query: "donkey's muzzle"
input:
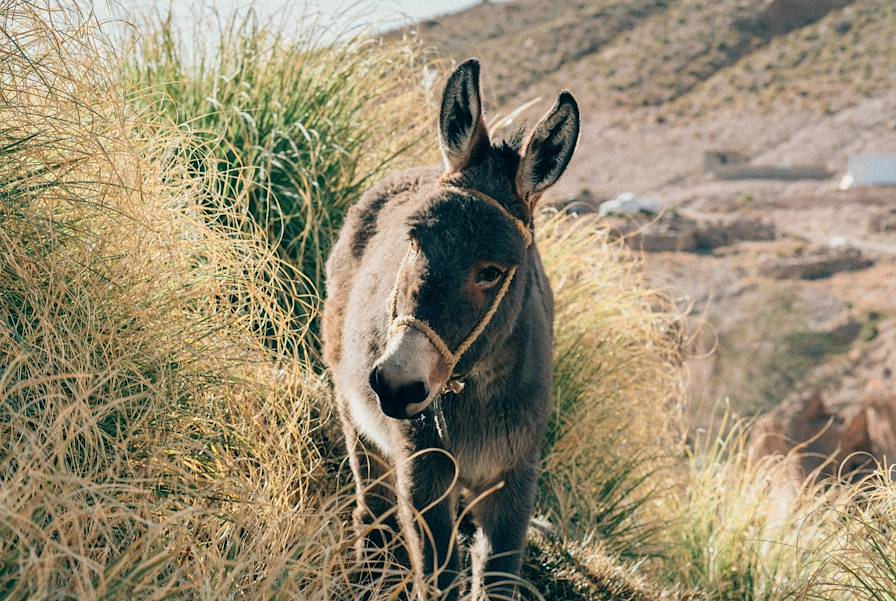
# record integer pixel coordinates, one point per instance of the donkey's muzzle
(408, 375)
(397, 397)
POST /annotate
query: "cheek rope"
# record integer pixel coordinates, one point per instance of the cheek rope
(452, 358)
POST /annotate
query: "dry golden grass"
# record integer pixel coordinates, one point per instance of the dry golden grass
(150, 444)
(747, 528)
(618, 387)
(154, 443)
(740, 523)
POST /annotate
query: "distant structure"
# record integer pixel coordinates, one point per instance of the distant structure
(870, 170)
(729, 164)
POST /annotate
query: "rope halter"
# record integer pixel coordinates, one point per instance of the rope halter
(452, 358)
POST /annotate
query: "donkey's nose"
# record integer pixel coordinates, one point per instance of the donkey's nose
(395, 396)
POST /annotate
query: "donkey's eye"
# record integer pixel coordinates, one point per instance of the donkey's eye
(488, 276)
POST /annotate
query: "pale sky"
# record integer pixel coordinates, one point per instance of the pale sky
(338, 14)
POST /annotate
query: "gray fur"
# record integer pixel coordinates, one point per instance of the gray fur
(495, 426)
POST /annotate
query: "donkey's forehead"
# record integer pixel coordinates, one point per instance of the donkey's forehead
(452, 223)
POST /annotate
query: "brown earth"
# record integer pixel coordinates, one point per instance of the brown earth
(698, 53)
(796, 314)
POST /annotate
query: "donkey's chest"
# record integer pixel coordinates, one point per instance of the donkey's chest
(482, 464)
(487, 446)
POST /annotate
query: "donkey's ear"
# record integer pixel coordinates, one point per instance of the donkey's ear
(462, 130)
(548, 150)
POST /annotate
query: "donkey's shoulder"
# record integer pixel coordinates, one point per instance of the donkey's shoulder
(363, 220)
(361, 224)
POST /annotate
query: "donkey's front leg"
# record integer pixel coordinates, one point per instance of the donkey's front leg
(375, 520)
(378, 548)
(503, 518)
(428, 507)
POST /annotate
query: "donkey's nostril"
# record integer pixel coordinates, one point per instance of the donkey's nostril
(414, 392)
(376, 379)
(395, 397)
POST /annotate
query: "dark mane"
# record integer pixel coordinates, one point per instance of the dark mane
(511, 142)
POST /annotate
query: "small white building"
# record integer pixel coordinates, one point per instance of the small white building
(870, 170)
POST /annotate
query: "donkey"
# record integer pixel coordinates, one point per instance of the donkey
(437, 330)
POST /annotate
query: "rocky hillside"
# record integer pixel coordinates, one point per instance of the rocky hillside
(784, 315)
(650, 52)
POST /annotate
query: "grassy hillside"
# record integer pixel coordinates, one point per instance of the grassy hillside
(164, 432)
(826, 66)
(545, 36)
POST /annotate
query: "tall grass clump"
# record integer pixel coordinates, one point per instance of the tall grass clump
(295, 128)
(738, 529)
(617, 390)
(861, 565)
(151, 443)
(749, 528)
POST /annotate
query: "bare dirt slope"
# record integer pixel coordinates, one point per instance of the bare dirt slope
(784, 82)
(648, 52)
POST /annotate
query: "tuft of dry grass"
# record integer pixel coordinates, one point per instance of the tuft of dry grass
(861, 561)
(585, 571)
(151, 444)
(740, 526)
(294, 127)
(750, 529)
(617, 391)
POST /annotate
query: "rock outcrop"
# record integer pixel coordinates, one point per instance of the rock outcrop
(681, 231)
(842, 441)
(579, 572)
(779, 16)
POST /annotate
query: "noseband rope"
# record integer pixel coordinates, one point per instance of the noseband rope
(452, 358)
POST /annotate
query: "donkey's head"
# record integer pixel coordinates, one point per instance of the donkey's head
(461, 285)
